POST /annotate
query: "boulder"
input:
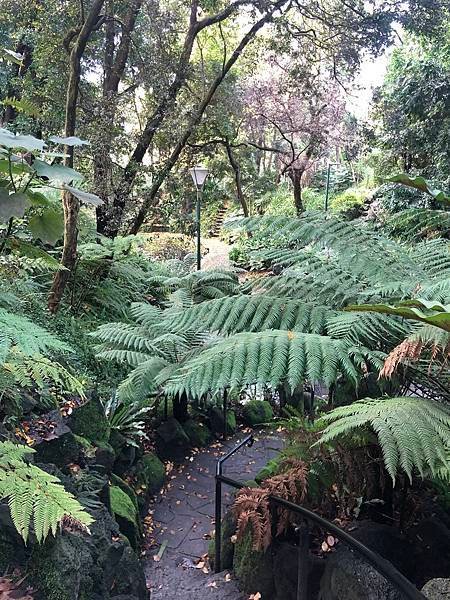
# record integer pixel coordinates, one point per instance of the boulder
(431, 539)
(285, 571)
(217, 423)
(227, 546)
(256, 412)
(199, 435)
(150, 474)
(171, 441)
(60, 450)
(126, 515)
(347, 576)
(104, 456)
(253, 569)
(89, 421)
(100, 566)
(13, 551)
(437, 589)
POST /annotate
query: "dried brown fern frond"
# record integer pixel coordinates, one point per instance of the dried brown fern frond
(252, 505)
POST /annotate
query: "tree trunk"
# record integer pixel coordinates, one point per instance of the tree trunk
(237, 178)
(197, 117)
(71, 205)
(114, 64)
(296, 178)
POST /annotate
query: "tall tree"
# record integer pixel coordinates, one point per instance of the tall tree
(71, 204)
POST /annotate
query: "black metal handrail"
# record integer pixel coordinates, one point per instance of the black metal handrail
(384, 567)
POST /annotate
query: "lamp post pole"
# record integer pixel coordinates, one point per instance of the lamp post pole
(199, 254)
(198, 174)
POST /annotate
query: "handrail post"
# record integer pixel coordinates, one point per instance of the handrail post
(218, 526)
(303, 561)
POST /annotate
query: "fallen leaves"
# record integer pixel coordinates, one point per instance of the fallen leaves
(256, 596)
(13, 590)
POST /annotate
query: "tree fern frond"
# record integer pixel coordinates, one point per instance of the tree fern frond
(35, 494)
(418, 223)
(271, 356)
(414, 433)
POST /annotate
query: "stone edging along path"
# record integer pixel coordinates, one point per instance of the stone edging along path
(183, 521)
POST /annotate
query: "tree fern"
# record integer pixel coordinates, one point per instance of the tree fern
(273, 357)
(418, 223)
(414, 433)
(235, 314)
(35, 496)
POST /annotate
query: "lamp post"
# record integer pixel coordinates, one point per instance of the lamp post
(198, 174)
(327, 191)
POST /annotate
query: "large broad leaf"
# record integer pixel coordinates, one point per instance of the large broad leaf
(58, 173)
(26, 142)
(83, 196)
(68, 141)
(24, 248)
(427, 311)
(11, 166)
(37, 198)
(12, 205)
(47, 227)
(421, 184)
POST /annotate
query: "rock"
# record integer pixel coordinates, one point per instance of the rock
(269, 470)
(227, 546)
(125, 487)
(89, 421)
(61, 450)
(437, 589)
(61, 568)
(151, 473)
(253, 569)
(217, 423)
(347, 576)
(13, 551)
(117, 441)
(199, 435)
(431, 539)
(126, 515)
(256, 412)
(388, 542)
(285, 570)
(171, 441)
(88, 567)
(105, 456)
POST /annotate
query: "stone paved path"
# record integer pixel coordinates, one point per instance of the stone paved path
(184, 516)
(217, 257)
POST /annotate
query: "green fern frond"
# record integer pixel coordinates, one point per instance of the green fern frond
(33, 494)
(272, 357)
(414, 433)
(418, 223)
(369, 329)
(236, 314)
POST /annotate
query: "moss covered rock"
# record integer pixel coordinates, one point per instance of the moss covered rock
(126, 514)
(150, 473)
(90, 422)
(60, 451)
(269, 470)
(199, 435)
(217, 422)
(172, 443)
(227, 546)
(105, 456)
(253, 569)
(256, 412)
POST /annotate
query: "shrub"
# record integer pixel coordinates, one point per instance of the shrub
(348, 200)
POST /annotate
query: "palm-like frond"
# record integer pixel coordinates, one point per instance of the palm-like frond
(414, 433)
(273, 357)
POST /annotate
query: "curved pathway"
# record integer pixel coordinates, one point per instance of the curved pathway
(183, 521)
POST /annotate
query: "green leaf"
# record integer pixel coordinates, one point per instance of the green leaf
(37, 198)
(24, 248)
(83, 196)
(12, 205)
(68, 141)
(56, 172)
(26, 142)
(421, 184)
(427, 311)
(48, 226)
